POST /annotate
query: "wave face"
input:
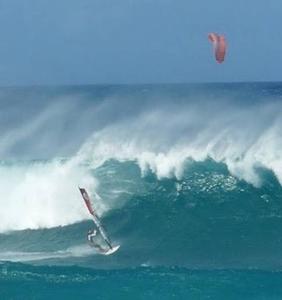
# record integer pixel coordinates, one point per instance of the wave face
(206, 219)
(189, 176)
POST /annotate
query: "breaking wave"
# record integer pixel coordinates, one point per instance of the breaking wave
(245, 136)
(189, 175)
(41, 194)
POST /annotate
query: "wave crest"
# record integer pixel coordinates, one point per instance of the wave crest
(162, 139)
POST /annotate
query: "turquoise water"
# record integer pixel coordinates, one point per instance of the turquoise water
(189, 182)
(26, 282)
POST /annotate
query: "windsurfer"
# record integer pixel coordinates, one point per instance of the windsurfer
(90, 237)
(97, 237)
(91, 234)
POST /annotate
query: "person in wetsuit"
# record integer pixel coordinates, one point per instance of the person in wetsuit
(90, 237)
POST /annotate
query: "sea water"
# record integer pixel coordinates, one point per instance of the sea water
(189, 179)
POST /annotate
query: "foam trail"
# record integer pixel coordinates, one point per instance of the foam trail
(75, 251)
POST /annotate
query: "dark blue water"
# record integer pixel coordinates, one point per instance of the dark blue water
(186, 178)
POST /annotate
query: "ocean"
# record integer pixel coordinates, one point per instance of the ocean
(189, 182)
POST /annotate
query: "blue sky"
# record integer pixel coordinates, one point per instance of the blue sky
(137, 41)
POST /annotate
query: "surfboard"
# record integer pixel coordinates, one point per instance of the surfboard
(111, 251)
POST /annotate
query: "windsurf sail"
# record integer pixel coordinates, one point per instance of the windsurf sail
(95, 218)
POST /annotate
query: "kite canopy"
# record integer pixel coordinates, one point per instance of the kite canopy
(219, 46)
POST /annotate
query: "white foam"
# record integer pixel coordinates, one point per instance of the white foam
(162, 139)
(43, 195)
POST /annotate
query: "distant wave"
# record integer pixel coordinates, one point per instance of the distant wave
(245, 135)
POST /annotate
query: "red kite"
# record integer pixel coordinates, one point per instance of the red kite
(219, 46)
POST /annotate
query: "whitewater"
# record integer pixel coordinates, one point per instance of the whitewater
(187, 178)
